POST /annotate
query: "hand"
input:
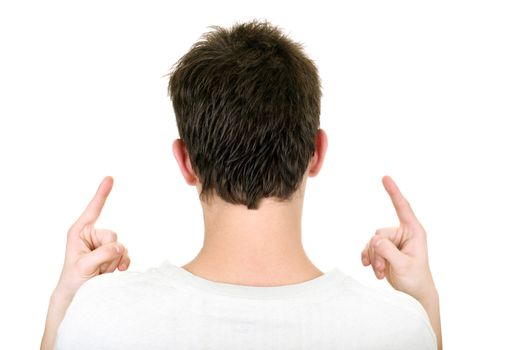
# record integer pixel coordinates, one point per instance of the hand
(90, 251)
(400, 253)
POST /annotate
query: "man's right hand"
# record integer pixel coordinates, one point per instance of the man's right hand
(400, 254)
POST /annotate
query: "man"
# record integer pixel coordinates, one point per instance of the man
(247, 103)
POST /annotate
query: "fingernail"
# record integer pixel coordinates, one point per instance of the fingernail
(122, 267)
(378, 243)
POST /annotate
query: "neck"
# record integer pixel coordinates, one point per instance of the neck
(260, 247)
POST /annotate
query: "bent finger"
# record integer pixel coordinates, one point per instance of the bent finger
(118, 261)
(390, 233)
(387, 250)
(91, 262)
(124, 262)
(378, 261)
(112, 265)
(371, 253)
(365, 258)
(104, 236)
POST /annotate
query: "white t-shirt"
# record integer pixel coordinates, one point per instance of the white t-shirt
(168, 307)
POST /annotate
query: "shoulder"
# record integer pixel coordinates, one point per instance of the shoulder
(110, 289)
(389, 298)
(392, 313)
(119, 286)
(104, 289)
(99, 306)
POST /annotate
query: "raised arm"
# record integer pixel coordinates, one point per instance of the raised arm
(400, 254)
(89, 252)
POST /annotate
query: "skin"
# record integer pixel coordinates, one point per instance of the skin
(89, 252)
(260, 247)
(400, 254)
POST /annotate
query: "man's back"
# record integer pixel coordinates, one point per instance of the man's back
(170, 308)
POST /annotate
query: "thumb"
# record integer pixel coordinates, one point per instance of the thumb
(92, 261)
(386, 249)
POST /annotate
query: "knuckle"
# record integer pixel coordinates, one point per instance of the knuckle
(112, 235)
(378, 264)
(118, 247)
(71, 231)
(385, 231)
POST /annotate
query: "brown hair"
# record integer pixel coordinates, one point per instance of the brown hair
(247, 105)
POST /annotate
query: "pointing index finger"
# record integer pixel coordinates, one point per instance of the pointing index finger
(94, 208)
(403, 209)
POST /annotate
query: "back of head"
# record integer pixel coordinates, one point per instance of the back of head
(247, 104)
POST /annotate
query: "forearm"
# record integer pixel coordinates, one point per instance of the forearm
(58, 304)
(430, 303)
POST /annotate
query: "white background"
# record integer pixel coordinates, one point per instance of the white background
(431, 93)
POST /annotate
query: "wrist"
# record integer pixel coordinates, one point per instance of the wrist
(427, 291)
(429, 296)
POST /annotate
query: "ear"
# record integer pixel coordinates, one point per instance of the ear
(321, 144)
(183, 158)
